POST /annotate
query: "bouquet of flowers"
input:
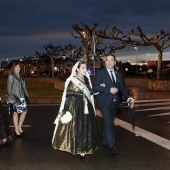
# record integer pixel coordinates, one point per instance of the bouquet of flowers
(65, 118)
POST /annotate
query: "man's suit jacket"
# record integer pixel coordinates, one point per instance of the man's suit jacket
(105, 98)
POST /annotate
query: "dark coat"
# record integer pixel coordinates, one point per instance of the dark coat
(105, 98)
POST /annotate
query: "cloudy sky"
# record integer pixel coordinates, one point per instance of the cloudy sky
(27, 25)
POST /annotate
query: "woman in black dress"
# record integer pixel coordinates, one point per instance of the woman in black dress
(80, 135)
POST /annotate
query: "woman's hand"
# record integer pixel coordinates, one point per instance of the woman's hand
(60, 113)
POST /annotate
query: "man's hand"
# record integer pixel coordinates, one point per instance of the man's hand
(130, 101)
(113, 90)
(103, 85)
(131, 105)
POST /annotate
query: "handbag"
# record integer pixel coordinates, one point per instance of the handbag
(11, 99)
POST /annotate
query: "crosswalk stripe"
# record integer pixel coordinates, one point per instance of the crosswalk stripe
(154, 108)
(22, 126)
(145, 134)
(161, 114)
(141, 132)
(152, 104)
(152, 100)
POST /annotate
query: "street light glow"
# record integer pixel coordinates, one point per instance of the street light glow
(136, 48)
(149, 56)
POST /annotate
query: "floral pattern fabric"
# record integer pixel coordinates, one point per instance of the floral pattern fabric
(22, 107)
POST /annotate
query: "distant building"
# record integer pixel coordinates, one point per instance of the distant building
(165, 64)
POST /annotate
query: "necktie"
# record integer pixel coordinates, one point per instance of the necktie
(115, 98)
(112, 77)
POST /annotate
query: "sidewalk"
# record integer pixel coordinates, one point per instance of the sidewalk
(138, 93)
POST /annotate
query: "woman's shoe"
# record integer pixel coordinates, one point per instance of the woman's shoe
(18, 136)
(23, 133)
(82, 157)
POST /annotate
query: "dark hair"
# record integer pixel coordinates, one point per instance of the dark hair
(12, 70)
(80, 63)
(110, 54)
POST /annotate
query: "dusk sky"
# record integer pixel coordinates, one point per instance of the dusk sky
(27, 25)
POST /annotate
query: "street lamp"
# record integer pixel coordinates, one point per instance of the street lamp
(63, 58)
(136, 48)
(84, 34)
(149, 58)
(94, 54)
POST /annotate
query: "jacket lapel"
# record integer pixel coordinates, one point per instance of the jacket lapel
(107, 75)
(117, 79)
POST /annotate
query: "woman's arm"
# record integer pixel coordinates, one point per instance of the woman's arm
(27, 98)
(10, 84)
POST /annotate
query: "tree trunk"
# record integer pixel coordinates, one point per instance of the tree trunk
(99, 60)
(52, 66)
(159, 65)
(85, 53)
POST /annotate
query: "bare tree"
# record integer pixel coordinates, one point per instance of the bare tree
(52, 51)
(161, 41)
(59, 54)
(93, 38)
(85, 33)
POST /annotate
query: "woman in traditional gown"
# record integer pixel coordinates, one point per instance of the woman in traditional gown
(80, 135)
(5, 133)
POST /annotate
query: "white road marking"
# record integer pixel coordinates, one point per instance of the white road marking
(22, 126)
(145, 134)
(45, 104)
(150, 104)
(152, 100)
(41, 104)
(161, 114)
(141, 132)
(154, 108)
(153, 104)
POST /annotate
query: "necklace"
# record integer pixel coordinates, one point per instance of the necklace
(81, 78)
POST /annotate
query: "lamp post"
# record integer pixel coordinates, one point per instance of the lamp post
(85, 43)
(94, 54)
(136, 48)
(63, 58)
(149, 58)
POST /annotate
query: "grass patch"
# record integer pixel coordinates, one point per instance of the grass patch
(35, 89)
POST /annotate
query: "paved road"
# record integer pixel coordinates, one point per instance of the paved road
(146, 148)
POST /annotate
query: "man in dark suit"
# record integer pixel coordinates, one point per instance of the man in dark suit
(108, 83)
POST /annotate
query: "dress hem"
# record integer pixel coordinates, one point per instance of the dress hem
(78, 153)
